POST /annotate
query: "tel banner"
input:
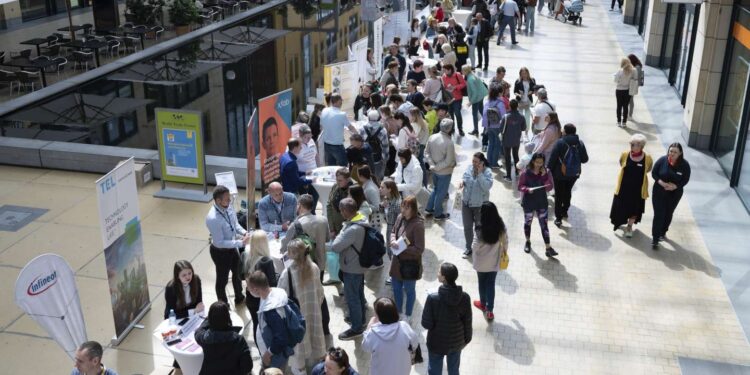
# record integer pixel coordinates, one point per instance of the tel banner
(46, 291)
(123, 246)
(180, 139)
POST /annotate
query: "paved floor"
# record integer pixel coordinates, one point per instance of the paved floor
(609, 305)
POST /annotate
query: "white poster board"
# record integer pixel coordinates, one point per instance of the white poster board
(396, 24)
(343, 80)
(227, 180)
(377, 44)
(359, 54)
(46, 291)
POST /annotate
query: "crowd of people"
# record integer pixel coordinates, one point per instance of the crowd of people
(395, 175)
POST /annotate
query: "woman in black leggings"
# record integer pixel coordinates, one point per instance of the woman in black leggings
(622, 92)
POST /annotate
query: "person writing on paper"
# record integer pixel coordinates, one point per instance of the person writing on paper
(183, 293)
(276, 210)
(534, 184)
(228, 239)
(407, 244)
(225, 351)
(88, 360)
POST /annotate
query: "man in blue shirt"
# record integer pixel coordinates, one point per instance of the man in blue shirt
(89, 360)
(228, 239)
(277, 209)
(508, 12)
(292, 180)
(333, 121)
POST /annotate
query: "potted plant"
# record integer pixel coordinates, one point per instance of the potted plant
(143, 12)
(182, 13)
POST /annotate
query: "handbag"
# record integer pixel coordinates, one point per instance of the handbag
(504, 260)
(444, 96)
(459, 197)
(416, 354)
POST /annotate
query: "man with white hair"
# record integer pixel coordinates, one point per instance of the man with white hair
(541, 111)
(377, 137)
(440, 154)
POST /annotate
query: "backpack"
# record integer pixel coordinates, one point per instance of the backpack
(444, 96)
(493, 116)
(306, 239)
(373, 247)
(570, 166)
(374, 141)
(295, 322)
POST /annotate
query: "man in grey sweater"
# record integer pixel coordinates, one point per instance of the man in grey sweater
(348, 245)
(440, 154)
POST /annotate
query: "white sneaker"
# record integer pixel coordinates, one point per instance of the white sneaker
(628, 233)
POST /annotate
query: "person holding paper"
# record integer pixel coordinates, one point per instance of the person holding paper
(533, 185)
(407, 244)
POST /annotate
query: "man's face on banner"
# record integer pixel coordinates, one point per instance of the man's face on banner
(270, 138)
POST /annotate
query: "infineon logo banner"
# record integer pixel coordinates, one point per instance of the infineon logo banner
(46, 291)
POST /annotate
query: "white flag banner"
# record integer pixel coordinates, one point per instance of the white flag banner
(46, 291)
(359, 52)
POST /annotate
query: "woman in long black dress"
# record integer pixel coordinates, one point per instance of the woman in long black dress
(671, 173)
(631, 192)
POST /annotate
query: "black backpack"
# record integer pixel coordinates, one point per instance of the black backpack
(373, 247)
(374, 141)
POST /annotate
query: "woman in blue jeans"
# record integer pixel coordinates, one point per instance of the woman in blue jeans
(492, 122)
(486, 250)
(406, 266)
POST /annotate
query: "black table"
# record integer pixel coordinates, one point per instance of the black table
(89, 44)
(38, 64)
(36, 42)
(74, 28)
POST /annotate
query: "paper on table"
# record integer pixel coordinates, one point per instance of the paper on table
(400, 246)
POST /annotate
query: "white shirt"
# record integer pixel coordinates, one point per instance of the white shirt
(306, 158)
(542, 109)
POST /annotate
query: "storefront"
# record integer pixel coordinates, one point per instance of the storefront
(640, 14)
(680, 29)
(730, 134)
(33, 9)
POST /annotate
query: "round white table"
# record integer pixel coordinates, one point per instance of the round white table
(280, 261)
(428, 62)
(187, 352)
(324, 180)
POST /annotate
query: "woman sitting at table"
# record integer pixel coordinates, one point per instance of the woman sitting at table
(183, 292)
(225, 351)
(258, 259)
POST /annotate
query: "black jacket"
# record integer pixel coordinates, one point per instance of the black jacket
(678, 175)
(485, 31)
(224, 352)
(480, 6)
(170, 295)
(518, 89)
(401, 64)
(447, 319)
(558, 152)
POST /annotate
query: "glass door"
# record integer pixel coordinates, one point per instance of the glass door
(689, 28)
(743, 184)
(733, 108)
(642, 13)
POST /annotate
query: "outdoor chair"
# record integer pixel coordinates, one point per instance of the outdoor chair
(113, 48)
(131, 43)
(51, 51)
(82, 59)
(8, 78)
(156, 31)
(26, 80)
(87, 27)
(127, 25)
(61, 63)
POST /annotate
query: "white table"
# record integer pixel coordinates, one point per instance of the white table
(428, 62)
(325, 179)
(280, 261)
(188, 353)
(461, 16)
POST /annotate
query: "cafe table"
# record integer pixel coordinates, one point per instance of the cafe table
(36, 42)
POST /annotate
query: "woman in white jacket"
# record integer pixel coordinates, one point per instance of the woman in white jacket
(635, 82)
(622, 92)
(408, 174)
(388, 340)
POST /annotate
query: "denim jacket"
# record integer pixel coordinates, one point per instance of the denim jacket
(476, 189)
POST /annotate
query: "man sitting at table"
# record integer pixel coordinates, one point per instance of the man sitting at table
(276, 210)
(292, 179)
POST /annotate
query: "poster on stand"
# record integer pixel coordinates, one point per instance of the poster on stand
(180, 138)
(275, 129)
(341, 78)
(120, 223)
(377, 44)
(46, 291)
(359, 52)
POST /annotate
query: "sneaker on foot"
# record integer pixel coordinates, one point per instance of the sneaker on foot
(527, 247)
(628, 233)
(388, 281)
(507, 178)
(442, 217)
(484, 148)
(349, 335)
(474, 132)
(489, 315)
(558, 223)
(331, 282)
(461, 133)
(479, 305)
(550, 252)
(467, 254)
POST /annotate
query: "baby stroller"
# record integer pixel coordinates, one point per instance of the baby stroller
(572, 11)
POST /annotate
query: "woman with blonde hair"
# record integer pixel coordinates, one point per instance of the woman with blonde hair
(259, 259)
(302, 285)
(449, 57)
(622, 91)
(631, 191)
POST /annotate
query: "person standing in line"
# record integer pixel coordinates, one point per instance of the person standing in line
(471, 40)
(631, 191)
(484, 33)
(224, 350)
(476, 185)
(372, 194)
(530, 17)
(514, 128)
(523, 88)
(339, 192)
(315, 122)
(541, 111)
(622, 91)
(477, 91)
(509, 11)
(619, 3)
(549, 136)
(259, 259)
(416, 73)
(228, 240)
(348, 244)
(492, 123)
(314, 226)
(388, 340)
(454, 83)
(671, 173)
(390, 204)
(534, 184)
(488, 245)
(408, 174)
(568, 153)
(440, 154)
(333, 121)
(635, 83)
(447, 319)
(377, 137)
(406, 267)
(88, 360)
(272, 337)
(449, 56)
(521, 14)
(462, 51)
(308, 158)
(301, 283)
(336, 362)
(431, 89)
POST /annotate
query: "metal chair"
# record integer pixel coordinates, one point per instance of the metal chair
(82, 59)
(61, 63)
(244, 5)
(131, 43)
(51, 40)
(140, 28)
(157, 31)
(127, 25)
(113, 46)
(51, 51)
(8, 78)
(87, 27)
(26, 80)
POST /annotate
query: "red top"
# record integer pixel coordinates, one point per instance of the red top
(439, 15)
(458, 83)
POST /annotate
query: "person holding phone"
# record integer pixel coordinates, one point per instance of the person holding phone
(534, 184)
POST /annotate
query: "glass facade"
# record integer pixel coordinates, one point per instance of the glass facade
(730, 135)
(680, 30)
(33, 9)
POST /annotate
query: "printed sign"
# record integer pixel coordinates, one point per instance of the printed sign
(275, 129)
(180, 138)
(341, 78)
(359, 54)
(377, 44)
(227, 180)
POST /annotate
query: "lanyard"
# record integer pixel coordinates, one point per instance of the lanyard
(278, 208)
(225, 217)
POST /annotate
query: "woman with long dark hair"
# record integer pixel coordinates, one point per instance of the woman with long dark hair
(406, 267)
(671, 173)
(183, 292)
(336, 362)
(534, 184)
(488, 245)
(224, 350)
(636, 82)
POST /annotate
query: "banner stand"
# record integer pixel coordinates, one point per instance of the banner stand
(134, 324)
